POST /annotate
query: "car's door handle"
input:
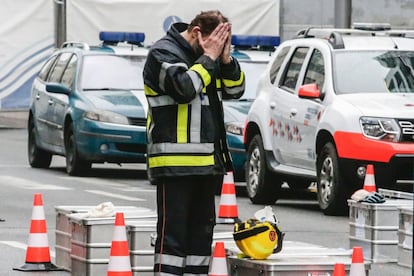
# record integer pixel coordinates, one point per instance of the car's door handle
(293, 112)
(37, 97)
(50, 101)
(272, 105)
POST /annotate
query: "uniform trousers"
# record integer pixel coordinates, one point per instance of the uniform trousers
(186, 218)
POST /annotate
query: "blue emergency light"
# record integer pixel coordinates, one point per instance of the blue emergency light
(115, 37)
(262, 42)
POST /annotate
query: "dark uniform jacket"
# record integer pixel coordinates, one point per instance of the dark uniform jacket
(185, 128)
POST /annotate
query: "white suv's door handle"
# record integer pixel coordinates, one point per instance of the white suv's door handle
(293, 112)
(50, 101)
(272, 105)
(37, 96)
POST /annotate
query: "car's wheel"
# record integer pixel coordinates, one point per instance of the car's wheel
(262, 185)
(38, 158)
(332, 192)
(75, 165)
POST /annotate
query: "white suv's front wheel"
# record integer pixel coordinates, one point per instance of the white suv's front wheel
(262, 185)
(331, 187)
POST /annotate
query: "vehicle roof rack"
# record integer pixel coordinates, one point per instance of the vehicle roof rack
(374, 27)
(334, 36)
(81, 45)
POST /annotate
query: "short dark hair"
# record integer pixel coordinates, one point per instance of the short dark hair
(208, 21)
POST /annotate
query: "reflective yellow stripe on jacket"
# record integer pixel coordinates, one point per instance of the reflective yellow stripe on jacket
(180, 160)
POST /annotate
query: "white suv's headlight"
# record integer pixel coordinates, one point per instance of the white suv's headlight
(386, 129)
(235, 128)
(106, 116)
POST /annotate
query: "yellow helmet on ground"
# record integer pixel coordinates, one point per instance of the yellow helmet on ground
(258, 239)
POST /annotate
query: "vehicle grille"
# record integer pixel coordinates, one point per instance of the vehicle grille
(137, 121)
(407, 129)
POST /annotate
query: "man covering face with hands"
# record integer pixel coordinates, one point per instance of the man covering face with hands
(187, 74)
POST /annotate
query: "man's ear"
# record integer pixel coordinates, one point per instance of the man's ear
(195, 31)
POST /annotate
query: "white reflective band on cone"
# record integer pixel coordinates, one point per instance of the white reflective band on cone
(38, 240)
(227, 199)
(119, 263)
(38, 213)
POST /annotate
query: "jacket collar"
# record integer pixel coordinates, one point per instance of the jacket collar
(175, 32)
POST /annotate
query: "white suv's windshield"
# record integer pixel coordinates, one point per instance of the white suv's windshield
(374, 72)
(107, 72)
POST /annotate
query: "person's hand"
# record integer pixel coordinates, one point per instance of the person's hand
(213, 45)
(225, 55)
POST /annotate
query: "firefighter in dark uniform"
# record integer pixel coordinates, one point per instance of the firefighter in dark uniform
(187, 74)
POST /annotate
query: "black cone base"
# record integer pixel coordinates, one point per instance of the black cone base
(38, 267)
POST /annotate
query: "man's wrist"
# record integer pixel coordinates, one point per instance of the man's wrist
(227, 60)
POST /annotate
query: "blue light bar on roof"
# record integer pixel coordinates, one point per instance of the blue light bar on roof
(255, 41)
(115, 37)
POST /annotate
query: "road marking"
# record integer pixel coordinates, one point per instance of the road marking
(21, 245)
(95, 181)
(28, 184)
(13, 166)
(115, 195)
(135, 189)
(119, 186)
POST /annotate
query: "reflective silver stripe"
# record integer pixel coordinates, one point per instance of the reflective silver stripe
(195, 124)
(166, 259)
(197, 81)
(163, 71)
(161, 101)
(220, 95)
(194, 260)
(234, 90)
(180, 148)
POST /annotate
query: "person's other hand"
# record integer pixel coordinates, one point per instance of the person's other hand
(225, 56)
(213, 44)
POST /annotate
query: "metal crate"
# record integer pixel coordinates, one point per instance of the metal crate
(92, 237)
(374, 227)
(295, 259)
(139, 234)
(405, 236)
(63, 233)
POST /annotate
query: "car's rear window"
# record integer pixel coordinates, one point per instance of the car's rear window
(112, 72)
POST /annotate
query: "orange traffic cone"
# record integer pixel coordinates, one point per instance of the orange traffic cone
(357, 265)
(339, 270)
(219, 263)
(369, 182)
(38, 252)
(119, 261)
(228, 212)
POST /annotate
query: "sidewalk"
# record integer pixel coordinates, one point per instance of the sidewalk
(13, 119)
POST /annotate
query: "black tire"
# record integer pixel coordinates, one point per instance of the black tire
(75, 165)
(38, 158)
(332, 192)
(262, 186)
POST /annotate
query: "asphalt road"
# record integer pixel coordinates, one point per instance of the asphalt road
(298, 213)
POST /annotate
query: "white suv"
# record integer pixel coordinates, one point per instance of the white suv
(329, 103)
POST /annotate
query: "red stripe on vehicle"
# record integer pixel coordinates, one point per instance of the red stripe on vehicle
(357, 146)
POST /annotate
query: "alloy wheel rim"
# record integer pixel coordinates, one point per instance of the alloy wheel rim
(326, 180)
(254, 171)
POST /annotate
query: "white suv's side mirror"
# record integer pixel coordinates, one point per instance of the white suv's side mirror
(310, 91)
